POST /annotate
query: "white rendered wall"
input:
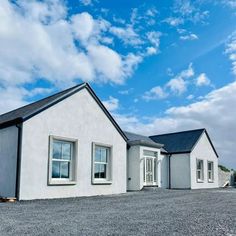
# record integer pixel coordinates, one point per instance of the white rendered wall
(180, 171)
(203, 151)
(8, 161)
(133, 168)
(77, 117)
(164, 183)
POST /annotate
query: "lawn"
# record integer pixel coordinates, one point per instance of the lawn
(149, 212)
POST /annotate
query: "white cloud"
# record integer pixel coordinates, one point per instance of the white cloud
(230, 3)
(111, 104)
(190, 37)
(189, 72)
(82, 26)
(126, 92)
(190, 97)
(174, 21)
(130, 63)
(154, 38)
(127, 35)
(213, 112)
(151, 12)
(186, 10)
(151, 51)
(231, 51)
(177, 85)
(11, 98)
(87, 2)
(154, 94)
(107, 63)
(40, 40)
(202, 80)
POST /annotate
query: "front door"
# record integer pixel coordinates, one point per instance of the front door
(149, 171)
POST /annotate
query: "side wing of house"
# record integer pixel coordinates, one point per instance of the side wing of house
(72, 149)
(8, 161)
(204, 164)
(180, 171)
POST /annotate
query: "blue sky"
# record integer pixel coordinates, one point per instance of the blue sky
(158, 66)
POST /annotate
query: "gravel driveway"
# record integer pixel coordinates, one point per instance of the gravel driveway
(148, 212)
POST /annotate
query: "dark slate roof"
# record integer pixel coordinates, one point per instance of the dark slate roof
(21, 114)
(137, 139)
(180, 142)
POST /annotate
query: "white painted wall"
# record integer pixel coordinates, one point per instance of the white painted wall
(77, 117)
(164, 174)
(204, 151)
(8, 161)
(180, 171)
(133, 168)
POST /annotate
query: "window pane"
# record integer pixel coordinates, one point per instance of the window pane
(103, 171)
(56, 150)
(96, 171)
(209, 165)
(200, 164)
(100, 171)
(66, 151)
(55, 169)
(199, 174)
(97, 154)
(65, 169)
(104, 154)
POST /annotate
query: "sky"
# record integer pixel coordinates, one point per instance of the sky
(158, 66)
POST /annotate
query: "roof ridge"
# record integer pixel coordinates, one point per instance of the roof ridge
(185, 131)
(63, 91)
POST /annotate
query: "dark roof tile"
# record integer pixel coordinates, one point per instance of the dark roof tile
(179, 142)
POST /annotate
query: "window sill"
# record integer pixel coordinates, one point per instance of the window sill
(61, 182)
(210, 181)
(200, 181)
(101, 182)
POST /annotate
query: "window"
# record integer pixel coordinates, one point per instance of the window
(210, 171)
(101, 164)
(200, 176)
(62, 161)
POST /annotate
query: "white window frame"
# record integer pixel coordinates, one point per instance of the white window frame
(210, 180)
(73, 162)
(108, 179)
(201, 180)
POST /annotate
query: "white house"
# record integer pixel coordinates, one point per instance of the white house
(182, 160)
(68, 145)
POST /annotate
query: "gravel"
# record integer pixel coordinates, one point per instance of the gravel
(148, 212)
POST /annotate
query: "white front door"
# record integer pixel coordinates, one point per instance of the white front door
(149, 171)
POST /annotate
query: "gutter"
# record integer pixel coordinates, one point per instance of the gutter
(18, 161)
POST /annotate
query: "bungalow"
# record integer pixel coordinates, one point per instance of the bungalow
(182, 160)
(68, 145)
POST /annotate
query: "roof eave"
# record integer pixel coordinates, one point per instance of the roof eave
(172, 153)
(145, 143)
(9, 123)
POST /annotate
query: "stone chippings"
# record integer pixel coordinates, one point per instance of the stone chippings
(151, 212)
